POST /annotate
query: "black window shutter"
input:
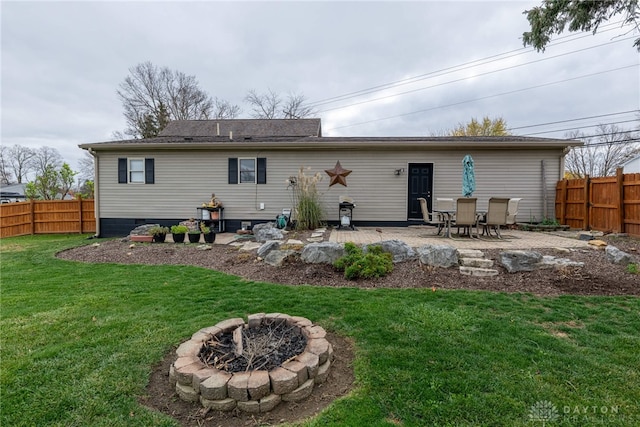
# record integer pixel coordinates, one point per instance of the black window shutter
(149, 172)
(262, 170)
(233, 170)
(122, 171)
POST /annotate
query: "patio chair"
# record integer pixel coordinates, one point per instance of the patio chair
(429, 217)
(466, 214)
(512, 211)
(496, 216)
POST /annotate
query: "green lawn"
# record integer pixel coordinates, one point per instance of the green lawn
(78, 342)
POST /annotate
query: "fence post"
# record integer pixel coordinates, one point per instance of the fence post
(32, 215)
(79, 199)
(563, 202)
(587, 202)
(620, 207)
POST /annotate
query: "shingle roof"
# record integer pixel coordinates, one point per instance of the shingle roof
(243, 128)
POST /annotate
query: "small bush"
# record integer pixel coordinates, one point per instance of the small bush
(356, 264)
(179, 229)
(633, 268)
(158, 229)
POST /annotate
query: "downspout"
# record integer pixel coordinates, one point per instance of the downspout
(96, 199)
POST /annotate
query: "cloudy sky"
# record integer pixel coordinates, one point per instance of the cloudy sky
(369, 68)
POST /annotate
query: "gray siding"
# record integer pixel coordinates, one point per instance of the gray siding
(185, 179)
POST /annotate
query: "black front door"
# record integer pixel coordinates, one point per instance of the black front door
(420, 185)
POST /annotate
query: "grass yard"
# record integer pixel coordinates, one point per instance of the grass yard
(78, 342)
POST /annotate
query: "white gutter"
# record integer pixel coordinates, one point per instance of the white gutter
(96, 199)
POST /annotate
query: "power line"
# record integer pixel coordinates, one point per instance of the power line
(578, 127)
(460, 67)
(484, 97)
(473, 76)
(574, 120)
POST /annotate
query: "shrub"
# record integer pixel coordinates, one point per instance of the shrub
(356, 264)
(633, 268)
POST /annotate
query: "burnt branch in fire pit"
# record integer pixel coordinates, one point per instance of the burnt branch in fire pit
(263, 348)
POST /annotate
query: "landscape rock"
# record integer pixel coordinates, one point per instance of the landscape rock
(322, 252)
(267, 231)
(399, 250)
(478, 271)
(517, 260)
(142, 230)
(549, 261)
(617, 256)
(598, 243)
(271, 245)
(277, 258)
(438, 255)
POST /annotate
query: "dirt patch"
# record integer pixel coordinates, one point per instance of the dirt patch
(161, 396)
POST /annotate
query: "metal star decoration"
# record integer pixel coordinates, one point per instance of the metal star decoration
(338, 175)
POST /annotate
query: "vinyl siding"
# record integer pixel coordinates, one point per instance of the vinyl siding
(185, 179)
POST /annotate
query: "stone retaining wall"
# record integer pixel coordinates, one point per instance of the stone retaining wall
(252, 391)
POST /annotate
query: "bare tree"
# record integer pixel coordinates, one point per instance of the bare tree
(224, 109)
(5, 168)
(45, 157)
(153, 96)
(270, 105)
(87, 167)
(603, 153)
(20, 161)
(264, 106)
(295, 108)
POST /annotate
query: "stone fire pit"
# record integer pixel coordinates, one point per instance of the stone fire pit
(199, 375)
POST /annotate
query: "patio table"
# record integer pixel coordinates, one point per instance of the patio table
(448, 215)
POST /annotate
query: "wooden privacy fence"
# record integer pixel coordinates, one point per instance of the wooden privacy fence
(610, 204)
(47, 217)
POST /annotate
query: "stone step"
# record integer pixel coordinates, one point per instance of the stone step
(476, 262)
(470, 253)
(478, 272)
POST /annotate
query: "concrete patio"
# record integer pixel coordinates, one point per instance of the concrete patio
(416, 236)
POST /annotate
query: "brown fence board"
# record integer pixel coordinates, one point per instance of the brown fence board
(608, 204)
(47, 217)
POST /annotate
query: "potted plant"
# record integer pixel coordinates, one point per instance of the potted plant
(194, 236)
(159, 233)
(209, 234)
(178, 232)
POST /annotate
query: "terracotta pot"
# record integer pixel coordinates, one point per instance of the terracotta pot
(147, 239)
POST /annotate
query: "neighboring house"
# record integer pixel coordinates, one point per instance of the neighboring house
(12, 193)
(632, 166)
(246, 163)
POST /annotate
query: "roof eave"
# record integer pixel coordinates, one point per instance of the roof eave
(334, 143)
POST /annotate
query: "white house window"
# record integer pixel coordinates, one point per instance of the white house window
(248, 171)
(136, 171)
